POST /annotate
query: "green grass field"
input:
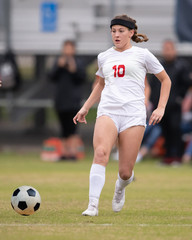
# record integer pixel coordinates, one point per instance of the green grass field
(158, 203)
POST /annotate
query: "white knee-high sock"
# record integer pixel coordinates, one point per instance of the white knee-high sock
(121, 184)
(96, 182)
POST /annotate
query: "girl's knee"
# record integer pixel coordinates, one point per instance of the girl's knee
(100, 155)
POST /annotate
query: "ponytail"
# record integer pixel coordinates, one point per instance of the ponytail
(137, 37)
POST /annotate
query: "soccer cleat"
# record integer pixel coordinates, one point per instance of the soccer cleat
(118, 199)
(91, 211)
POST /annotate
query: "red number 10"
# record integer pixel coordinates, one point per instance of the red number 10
(117, 71)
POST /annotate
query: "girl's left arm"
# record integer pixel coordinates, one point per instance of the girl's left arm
(164, 95)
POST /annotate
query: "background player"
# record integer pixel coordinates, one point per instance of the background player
(68, 74)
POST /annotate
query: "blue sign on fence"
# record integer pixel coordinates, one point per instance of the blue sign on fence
(49, 16)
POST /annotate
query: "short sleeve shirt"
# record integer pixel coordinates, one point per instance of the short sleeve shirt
(124, 74)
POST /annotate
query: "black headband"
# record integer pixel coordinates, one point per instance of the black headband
(122, 22)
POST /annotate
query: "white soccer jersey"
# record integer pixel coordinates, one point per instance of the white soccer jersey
(124, 74)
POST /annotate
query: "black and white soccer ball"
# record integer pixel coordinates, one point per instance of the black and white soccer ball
(25, 200)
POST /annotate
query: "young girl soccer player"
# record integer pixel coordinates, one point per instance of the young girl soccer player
(121, 112)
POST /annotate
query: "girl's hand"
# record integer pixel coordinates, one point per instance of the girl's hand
(156, 116)
(80, 116)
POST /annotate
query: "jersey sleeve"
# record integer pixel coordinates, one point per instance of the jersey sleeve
(152, 63)
(99, 71)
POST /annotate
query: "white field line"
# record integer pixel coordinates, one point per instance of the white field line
(91, 224)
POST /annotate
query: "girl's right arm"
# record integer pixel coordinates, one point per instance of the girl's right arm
(93, 98)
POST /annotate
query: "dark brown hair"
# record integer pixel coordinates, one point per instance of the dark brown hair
(136, 37)
(71, 42)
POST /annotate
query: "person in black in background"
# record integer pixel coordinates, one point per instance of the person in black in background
(179, 73)
(68, 75)
(9, 72)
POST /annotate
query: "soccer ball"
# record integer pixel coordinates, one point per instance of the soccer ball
(25, 200)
